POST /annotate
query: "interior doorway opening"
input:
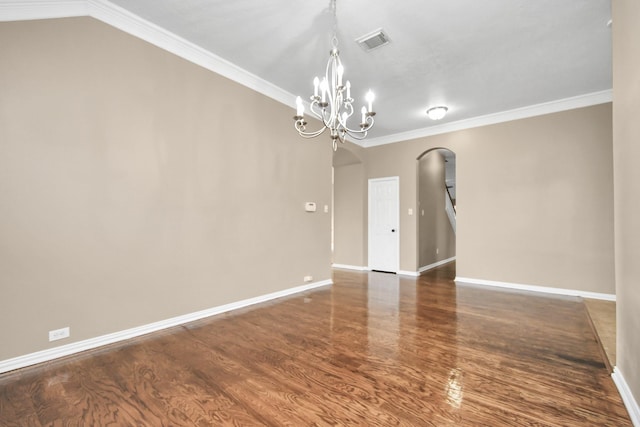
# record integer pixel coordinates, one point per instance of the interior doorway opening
(436, 205)
(348, 225)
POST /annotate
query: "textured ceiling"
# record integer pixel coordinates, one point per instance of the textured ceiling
(476, 57)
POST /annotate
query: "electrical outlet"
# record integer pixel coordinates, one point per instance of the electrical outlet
(59, 334)
(437, 251)
(308, 279)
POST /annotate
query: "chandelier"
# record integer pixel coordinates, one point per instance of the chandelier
(331, 101)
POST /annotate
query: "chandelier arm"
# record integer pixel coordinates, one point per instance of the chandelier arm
(317, 111)
(320, 113)
(311, 135)
(359, 136)
(349, 107)
(369, 124)
(299, 126)
(348, 110)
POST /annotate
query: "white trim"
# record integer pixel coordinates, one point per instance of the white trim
(534, 288)
(627, 396)
(130, 23)
(76, 347)
(579, 101)
(436, 264)
(109, 13)
(27, 10)
(350, 267)
(408, 273)
(358, 268)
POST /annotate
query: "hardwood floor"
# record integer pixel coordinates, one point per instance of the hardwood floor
(603, 316)
(373, 349)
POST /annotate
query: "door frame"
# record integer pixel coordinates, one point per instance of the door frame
(369, 222)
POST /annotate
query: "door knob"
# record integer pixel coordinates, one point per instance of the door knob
(393, 230)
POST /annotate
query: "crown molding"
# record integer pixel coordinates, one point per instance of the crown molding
(130, 23)
(26, 10)
(556, 106)
(111, 14)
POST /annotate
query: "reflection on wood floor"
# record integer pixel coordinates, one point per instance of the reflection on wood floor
(373, 349)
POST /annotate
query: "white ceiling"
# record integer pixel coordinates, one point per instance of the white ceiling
(477, 57)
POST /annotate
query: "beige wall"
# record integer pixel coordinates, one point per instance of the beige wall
(135, 186)
(626, 148)
(534, 199)
(436, 239)
(349, 211)
(349, 207)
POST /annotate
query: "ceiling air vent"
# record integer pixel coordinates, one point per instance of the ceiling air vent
(373, 40)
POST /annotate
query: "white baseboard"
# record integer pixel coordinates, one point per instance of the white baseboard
(408, 273)
(533, 288)
(91, 343)
(436, 264)
(358, 268)
(425, 268)
(349, 267)
(627, 397)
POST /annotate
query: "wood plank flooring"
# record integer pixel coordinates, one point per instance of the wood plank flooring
(374, 349)
(603, 316)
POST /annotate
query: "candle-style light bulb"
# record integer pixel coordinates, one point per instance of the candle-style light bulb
(364, 114)
(299, 107)
(340, 73)
(348, 89)
(345, 116)
(316, 83)
(370, 97)
(324, 86)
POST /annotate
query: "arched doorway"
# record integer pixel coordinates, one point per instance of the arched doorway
(436, 222)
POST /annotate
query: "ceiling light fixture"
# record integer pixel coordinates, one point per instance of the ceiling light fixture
(331, 101)
(437, 113)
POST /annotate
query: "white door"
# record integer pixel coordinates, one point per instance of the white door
(384, 242)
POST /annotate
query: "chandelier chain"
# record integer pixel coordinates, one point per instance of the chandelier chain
(334, 12)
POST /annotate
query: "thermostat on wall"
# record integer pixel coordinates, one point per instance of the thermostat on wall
(310, 206)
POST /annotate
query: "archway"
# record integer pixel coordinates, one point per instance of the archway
(436, 201)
